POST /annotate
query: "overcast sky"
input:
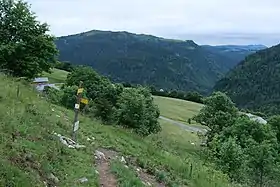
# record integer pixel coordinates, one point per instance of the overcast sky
(204, 21)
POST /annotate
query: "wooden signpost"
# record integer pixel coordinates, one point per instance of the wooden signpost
(77, 109)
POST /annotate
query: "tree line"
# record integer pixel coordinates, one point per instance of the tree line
(246, 150)
(254, 83)
(188, 96)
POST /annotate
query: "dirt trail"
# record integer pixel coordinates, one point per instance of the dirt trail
(106, 178)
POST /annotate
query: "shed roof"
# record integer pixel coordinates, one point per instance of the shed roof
(41, 79)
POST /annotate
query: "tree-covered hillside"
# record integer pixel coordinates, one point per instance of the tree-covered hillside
(236, 53)
(145, 59)
(255, 82)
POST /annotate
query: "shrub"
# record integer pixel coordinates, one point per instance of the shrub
(53, 95)
(136, 110)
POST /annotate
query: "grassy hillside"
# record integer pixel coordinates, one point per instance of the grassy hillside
(56, 76)
(30, 152)
(177, 109)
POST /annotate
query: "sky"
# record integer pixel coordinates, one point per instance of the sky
(213, 22)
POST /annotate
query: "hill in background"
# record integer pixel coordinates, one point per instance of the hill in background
(236, 53)
(145, 59)
(255, 82)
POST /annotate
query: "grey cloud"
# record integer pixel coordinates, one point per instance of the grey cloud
(176, 18)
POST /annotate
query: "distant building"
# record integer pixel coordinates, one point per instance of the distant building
(41, 82)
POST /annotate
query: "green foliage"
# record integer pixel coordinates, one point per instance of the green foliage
(161, 176)
(145, 60)
(275, 124)
(26, 49)
(188, 96)
(244, 149)
(254, 83)
(66, 97)
(92, 81)
(262, 163)
(244, 129)
(104, 110)
(218, 113)
(69, 96)
(230, 158)
(99, 89)
(126, 177)
(132, 108)
(137, 111)
(53, 95)
(66, 66)
(236, 53)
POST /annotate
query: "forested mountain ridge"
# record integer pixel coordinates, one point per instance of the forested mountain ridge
(236, 53)
(255, 82)
(145, 59)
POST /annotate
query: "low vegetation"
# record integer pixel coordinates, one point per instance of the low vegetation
(176, 109)
(56, 75)
(126, 177)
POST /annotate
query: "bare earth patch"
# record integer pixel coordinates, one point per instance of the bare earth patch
(107, 179)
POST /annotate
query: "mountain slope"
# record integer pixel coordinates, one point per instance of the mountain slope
(236, 53)
(145, 59)
(255, 82)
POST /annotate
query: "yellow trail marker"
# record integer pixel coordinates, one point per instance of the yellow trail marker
(80, 90)
(85, 101)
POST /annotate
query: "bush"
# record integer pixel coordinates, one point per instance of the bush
(131, 107)
(69, 96)
(103, 109)
(53, 95)
(136, 110)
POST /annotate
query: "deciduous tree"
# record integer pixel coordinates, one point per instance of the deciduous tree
(26, 48)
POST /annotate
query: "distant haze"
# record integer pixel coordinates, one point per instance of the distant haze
(204, 21)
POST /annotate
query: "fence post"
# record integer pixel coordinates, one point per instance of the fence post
(191, 170)
(17, 90)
